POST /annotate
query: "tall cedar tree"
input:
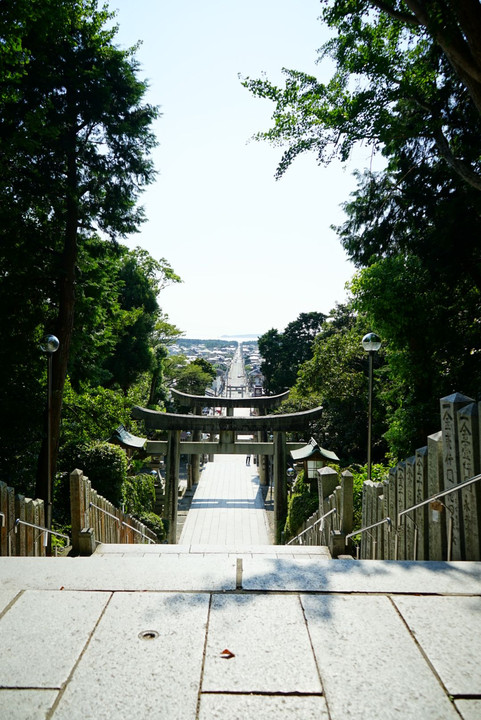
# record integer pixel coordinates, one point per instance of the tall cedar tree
(75, 138)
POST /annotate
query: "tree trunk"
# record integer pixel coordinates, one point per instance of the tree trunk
(63, 327)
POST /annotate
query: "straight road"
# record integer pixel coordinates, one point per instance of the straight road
(228, 507)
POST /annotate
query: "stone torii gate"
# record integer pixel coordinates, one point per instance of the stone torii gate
(261, 405)
(227, 428)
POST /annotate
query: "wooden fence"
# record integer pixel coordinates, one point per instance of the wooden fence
(95, 520)
(16, 538)
(448, 527)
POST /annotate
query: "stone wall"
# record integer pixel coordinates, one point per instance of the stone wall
(446, 528)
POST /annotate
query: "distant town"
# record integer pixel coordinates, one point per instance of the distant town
(220, 353)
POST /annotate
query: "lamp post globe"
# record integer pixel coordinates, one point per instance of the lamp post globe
(371, 344)
(50, 344)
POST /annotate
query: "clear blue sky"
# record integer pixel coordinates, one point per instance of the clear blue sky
(253, 252)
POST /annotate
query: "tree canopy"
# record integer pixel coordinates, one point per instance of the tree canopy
(75, 154)
(283, 353)
(393, 86)
(406, 82)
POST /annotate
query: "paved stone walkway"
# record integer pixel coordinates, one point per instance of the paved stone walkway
(228, 507)
(163, 632)
(224, 625)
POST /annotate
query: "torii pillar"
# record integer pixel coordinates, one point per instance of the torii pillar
(262, 460)
(172, 483)
(280, 484)
(195, 459)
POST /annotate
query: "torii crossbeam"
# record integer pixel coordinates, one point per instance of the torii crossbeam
(227, 428)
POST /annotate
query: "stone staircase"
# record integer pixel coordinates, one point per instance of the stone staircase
(266, 632)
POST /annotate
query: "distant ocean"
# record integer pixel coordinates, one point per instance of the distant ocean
(236, 338)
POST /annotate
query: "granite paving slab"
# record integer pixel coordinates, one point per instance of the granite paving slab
(262, 707)
(449, 631)
(177, 573)
(26, 704)
(469, 709)
(261, 631)
(370, 665)
(140, 549)
(217, 571)
(270, 550)
(228, 506)
(6, 597)
(144, 660)
(364, 576)
(43, 634)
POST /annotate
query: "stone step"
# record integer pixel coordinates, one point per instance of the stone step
(291, 551)
(192, 637)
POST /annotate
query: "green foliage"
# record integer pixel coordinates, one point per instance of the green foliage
(106, 467)
(140, 278)
(336, 378)
(302, 503)
(300, 486)
(191, 378)
(283, 353)
(413, 228)
(164, 335)
(154, 523)
(206, 367)
(430, 322)
(75, 147)
(119, 324)
(90, 414)
(300, 507)
(59, 544)
(392, 85)
(139, 494)
(379, 472)
(61, 499)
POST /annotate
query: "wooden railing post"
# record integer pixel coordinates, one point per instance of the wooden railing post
(347, 502)
(346, 511)
(83, 541)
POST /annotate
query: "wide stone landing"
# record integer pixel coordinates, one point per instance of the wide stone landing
(242, 632)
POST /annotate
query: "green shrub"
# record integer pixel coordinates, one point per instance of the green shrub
(106, 467)
(300, 507)
(359, 472)
(300, 486)
(139, 494)
(154, 523)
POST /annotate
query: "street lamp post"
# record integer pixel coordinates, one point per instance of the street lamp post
(291, 476)
(371, 344)
(50, 345)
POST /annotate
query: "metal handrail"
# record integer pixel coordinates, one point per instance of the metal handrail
(45, 530)
(443, 493)
(367, 529)
(321, 520)
(97, 507)
(139, 532)
(121, 522)
(2, 515)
